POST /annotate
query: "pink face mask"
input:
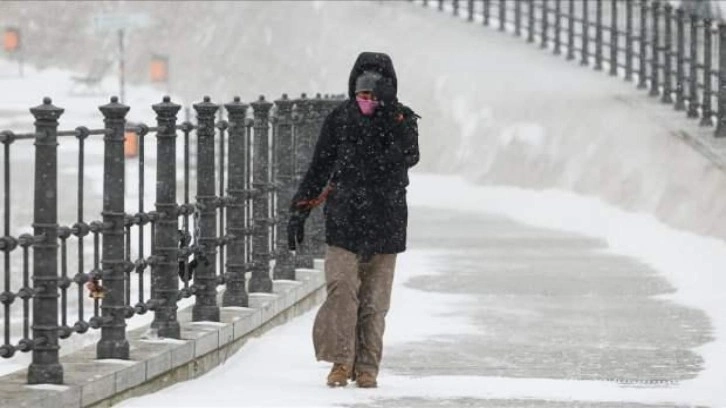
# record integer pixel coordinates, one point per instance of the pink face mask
(367, 106)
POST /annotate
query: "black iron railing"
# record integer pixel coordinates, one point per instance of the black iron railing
(679, 57)
(243, 187)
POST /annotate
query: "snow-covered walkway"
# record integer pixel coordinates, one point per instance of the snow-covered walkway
(563, 302)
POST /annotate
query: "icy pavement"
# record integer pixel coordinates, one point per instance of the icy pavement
(504, 305)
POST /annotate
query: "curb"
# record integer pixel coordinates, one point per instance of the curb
(159, 363)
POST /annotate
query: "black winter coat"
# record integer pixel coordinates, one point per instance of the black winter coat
(365, 161)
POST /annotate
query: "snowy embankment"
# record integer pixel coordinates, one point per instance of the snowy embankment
(283, 357)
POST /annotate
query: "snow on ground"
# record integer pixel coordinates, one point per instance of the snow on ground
(283, 358)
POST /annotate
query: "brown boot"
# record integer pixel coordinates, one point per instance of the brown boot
(366, 380)
(338, 376)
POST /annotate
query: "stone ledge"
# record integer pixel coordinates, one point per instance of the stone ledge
(158, 363)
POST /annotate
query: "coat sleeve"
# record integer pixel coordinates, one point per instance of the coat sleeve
(321, 166)
(411, 154)
(403, 149)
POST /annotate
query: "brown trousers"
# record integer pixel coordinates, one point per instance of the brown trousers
(349, 326)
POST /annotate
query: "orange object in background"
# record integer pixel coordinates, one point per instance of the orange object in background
(11, 39)
(159, 69)
(131, 144)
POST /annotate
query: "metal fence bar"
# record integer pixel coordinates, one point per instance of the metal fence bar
(721, 122)
(9, 244)
(530, 22)
(45, 367)
(598, 35)
(680, 61)
(304, 145)
(26, 292)
(642, 74)
(113, 343)
(571, 31)
(518, 18)
(205, 280)
(140, 265)
(614, 35)
(236, 291)
(545, 24)
(165, 268)
(585, 33)
(486, 12)
(668, 55)
(655, 50)
(628, 40)
(80, 229)
(502, 15)
(186, 239)
(260, 280)
(284, 264)
(558, 27)
(693, 70)
(706, 112)
(222, 126)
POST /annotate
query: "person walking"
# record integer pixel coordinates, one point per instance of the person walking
(360, 170)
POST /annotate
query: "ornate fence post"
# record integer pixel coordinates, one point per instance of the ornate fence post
(598, 35)
(655, 50)
(585, 33)
(304, 146)
(441, 5)
(614, 35)
(45, 367)
(680, 57)
(545, 24)
(643, 57)
(668, 55)
(455, 7)
(721, 124)
(236, 292)
(285, 264)
(628, 40)
(164, 271)
(706, 111)
(571, 31)
(260, 280)
(693, 70)
(470, 10)
(205, 276)
(558, 27)
(113, 343)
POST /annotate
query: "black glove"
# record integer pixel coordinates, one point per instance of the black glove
(385, 92)
(296, 227)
